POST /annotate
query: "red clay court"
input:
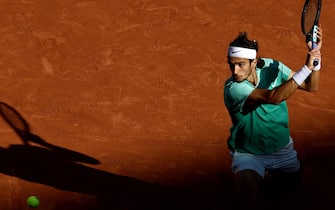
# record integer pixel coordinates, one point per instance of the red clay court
(124, 102)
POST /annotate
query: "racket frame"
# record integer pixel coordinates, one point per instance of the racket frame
(316, 20)
(311, 35)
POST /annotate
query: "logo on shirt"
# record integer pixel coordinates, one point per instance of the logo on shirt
(274, 84)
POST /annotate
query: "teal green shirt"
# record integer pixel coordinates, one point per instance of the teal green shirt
(265, 129)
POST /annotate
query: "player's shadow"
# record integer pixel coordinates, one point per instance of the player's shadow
(45, 166)
(38, 161)
(51, 165)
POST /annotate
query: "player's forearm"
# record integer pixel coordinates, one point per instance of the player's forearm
(274, 96)
(312, 82)
(287, 89)
(283, 92)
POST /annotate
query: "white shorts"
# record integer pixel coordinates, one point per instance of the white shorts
(285, 160)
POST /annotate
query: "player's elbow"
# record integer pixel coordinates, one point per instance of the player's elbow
(312, 88)
(273, 98)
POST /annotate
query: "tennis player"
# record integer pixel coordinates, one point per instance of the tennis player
(255, 97)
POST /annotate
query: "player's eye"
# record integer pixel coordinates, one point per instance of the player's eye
(241, 64)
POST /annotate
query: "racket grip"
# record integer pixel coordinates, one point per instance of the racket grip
(314, 45)
(315, 34)
(314, 42)
(316, 61)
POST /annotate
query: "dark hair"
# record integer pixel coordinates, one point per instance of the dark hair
(243, 41)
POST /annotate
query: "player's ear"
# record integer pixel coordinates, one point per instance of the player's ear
(254, 62)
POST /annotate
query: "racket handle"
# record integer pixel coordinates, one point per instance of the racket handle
(314, 45)
(314, 42)
(316, 61)
(315, 34)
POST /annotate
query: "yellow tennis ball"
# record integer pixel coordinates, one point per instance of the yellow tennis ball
(33, 201)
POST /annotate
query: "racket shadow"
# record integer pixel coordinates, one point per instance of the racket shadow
(61, 168)
(21, 127)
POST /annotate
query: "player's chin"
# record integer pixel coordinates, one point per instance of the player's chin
(238, 79)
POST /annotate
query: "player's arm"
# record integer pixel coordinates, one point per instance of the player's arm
(284, 91)
(274, 96)
(312, 82)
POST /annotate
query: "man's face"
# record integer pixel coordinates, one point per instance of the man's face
(241, 68)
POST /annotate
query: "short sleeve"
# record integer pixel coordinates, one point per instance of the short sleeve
(236, 94)
(285, 71)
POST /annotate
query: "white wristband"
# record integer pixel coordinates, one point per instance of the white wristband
(300, 76)
(317, 67)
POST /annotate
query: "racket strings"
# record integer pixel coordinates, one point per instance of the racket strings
(14, 119)
(309, 16)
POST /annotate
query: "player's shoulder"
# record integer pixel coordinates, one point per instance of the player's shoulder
(229, 83)
(229, 80)
(233, 86)
(269, 61)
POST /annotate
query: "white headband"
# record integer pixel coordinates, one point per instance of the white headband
(241, 52)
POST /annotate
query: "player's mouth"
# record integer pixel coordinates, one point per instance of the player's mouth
(238, 78)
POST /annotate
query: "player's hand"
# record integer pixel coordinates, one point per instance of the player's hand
(319, 41)
(312, 55)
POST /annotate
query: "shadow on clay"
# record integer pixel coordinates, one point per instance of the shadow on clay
(38, 161)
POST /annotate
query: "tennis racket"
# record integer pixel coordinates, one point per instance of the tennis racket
(14, 120)
(310, 20)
